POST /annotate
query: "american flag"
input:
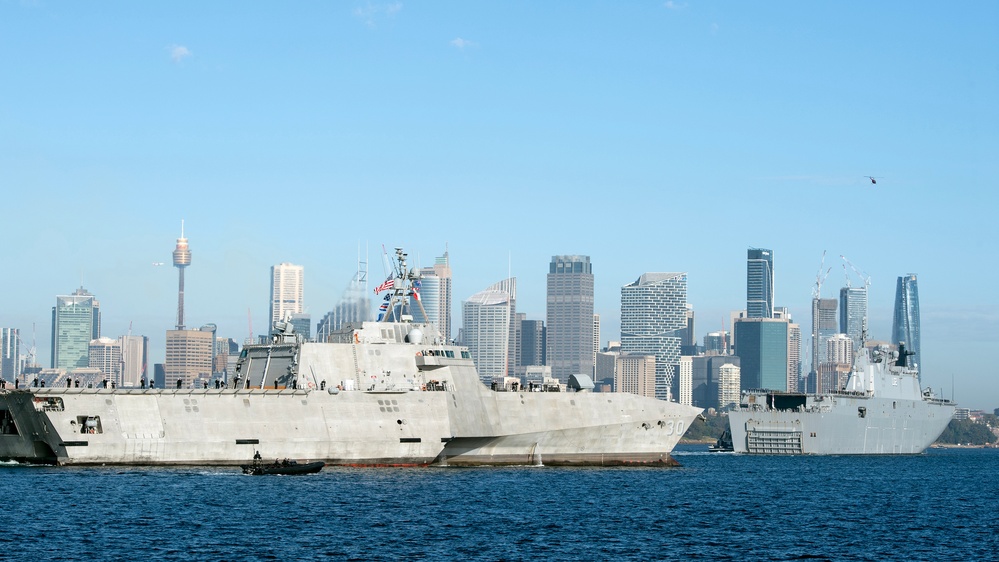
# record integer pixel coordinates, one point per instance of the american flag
(388, 284)
(416, 289)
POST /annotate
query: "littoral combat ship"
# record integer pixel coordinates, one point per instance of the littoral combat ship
(881, 411)
(387, 393)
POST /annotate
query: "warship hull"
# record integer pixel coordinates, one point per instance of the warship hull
(377, 397)
(841, 425)
(226, 427)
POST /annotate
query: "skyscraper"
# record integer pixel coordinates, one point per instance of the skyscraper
(513, 343)
(905, 327)
(569, 316)
(685, 381)
(793, 357)
(596, 338)
(824, 326)
(759, 283)
(302, 322)
(181, 259)
(532, 342)
(835, 369)
(761, 345)
(188, 358)
(635, 373)
(729, 382)
(793, 349)
(853, 313)
(435, 296)
(287, 291)
(76, 320)
(9, 354)
(486, 328)
(134, 351)
(705, 379)
(105, 354)
(654, 322)
(717, 343)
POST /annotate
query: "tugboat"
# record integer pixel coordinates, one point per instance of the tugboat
(286, 467)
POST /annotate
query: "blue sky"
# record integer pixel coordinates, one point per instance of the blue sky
(651, 136)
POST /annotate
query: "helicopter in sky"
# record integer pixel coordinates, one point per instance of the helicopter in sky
(874, 179)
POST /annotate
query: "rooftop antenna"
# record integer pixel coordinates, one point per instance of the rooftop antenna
(33, 352)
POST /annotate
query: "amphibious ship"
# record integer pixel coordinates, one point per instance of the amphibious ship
(880, 411)
(385, 393)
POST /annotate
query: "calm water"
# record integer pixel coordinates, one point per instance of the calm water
(937, 506)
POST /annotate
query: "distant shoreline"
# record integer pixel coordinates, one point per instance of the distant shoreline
(708, 441)
(959, 446)
(705, 441)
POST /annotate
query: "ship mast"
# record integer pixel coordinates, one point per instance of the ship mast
(404, 292)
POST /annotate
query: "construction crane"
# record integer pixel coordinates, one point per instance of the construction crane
(32, 357)
(863, 276)
(249, 323)
(820, 277)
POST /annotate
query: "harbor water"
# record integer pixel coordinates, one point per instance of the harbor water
(935, 506)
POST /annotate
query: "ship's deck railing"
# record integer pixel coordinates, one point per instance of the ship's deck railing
(849, 393)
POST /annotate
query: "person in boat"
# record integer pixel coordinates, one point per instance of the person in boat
(256, 456)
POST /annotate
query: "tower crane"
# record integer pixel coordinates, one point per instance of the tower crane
(820, 277)
(863, 276)
(32, 351)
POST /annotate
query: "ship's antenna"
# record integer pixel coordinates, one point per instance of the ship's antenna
(386, 266)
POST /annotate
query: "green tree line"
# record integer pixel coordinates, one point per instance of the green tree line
(706, 428)
(968, 432)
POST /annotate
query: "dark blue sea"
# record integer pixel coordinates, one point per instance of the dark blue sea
(938, 506)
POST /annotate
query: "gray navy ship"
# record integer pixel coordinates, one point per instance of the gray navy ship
(388, 393)
(880, 411)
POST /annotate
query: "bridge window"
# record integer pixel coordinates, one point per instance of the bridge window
(49, 404)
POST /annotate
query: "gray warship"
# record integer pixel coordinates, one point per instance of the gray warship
(880, 411)
(387, 393)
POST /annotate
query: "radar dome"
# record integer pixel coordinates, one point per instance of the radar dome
(415, 336)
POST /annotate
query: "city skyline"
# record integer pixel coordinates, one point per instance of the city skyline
(677, 138)
(83, 293)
